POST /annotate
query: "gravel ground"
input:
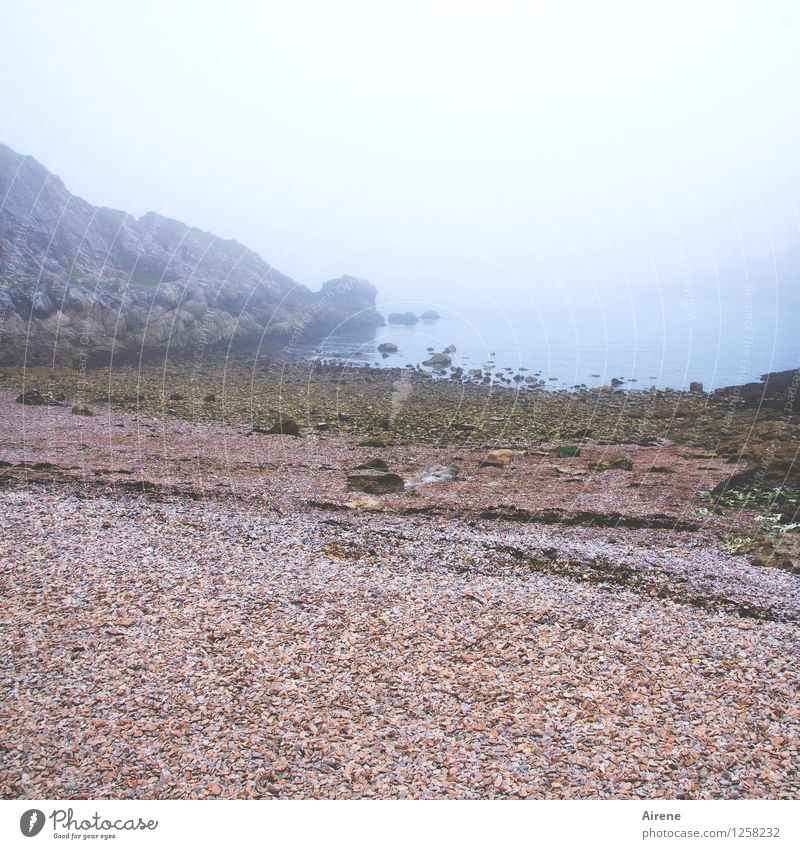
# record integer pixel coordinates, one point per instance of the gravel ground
(238, 632)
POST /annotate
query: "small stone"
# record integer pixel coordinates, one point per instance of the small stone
(365, 502)
(30, 397)
(504, 456)
(285, 426)
(374, 481)
(382, 440)
(620, 462)
(438, 473)
(375, 463)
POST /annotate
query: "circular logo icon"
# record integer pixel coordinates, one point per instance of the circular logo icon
(31, 822)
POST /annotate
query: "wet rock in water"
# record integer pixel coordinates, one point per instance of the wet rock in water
(31, 397)
(430, 315)
(568, 451)
(438, 473)
(620, 462)
(374, 463)
(450, 349)
(402, 318)
(695, 386)
(387, 348)
(438, 361)
(82, 410)
(616, 381)
(374, 481)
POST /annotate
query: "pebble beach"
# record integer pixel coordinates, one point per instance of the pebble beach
(195, 610)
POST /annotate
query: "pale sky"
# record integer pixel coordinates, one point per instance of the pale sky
(428, 146)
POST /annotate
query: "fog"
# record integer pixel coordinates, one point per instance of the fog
(438, 149)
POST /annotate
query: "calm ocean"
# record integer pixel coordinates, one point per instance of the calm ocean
(661, 342)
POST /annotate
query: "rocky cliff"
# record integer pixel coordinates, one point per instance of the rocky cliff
(83, 283)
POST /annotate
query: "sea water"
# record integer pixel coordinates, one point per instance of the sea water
(657, 341)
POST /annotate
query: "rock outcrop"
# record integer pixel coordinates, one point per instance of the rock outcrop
(83, 283)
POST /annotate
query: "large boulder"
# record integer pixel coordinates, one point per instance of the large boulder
(438, 361)
(402, 318)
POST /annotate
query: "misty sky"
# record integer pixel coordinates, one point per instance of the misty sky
(430, 147)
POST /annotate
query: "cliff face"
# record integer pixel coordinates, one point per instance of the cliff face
(83, 282)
